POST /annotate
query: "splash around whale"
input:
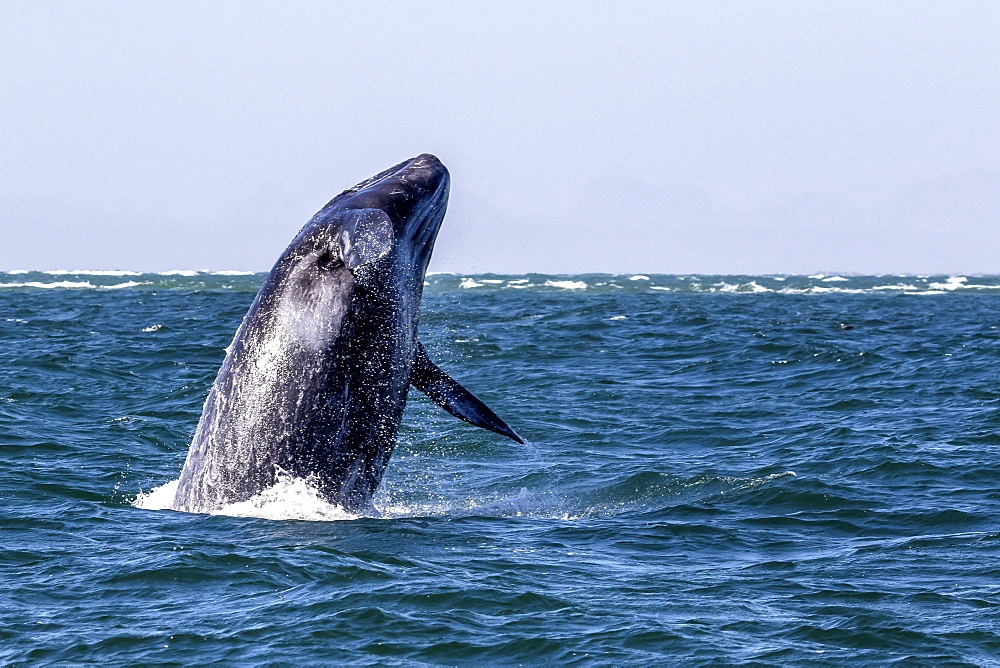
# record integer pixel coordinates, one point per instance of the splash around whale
(314, 383)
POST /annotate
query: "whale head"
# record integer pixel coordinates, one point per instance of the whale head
(384, 227)
(369, 245)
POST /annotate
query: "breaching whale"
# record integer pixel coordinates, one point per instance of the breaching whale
(315, 380)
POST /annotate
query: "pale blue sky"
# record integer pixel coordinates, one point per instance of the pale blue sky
(582, 136)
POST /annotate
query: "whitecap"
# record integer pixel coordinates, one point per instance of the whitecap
(752, 286)
(567, 285)
(128, 284)
(832, 279)
(493, 281)
(639, 277)
(56, 284)
(469, 283)
(953, 283)
(91, 272)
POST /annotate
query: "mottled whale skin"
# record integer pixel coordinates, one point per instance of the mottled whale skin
(314, 383)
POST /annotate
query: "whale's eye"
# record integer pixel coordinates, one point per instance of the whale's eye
(327, 260)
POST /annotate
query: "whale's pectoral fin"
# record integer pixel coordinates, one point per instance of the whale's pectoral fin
(365, 236)
(449, 395)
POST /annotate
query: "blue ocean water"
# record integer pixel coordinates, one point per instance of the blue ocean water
(720, 469)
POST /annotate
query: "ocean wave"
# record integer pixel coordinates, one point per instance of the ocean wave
(73, 285)
(786, 284)
(69, 285)
(90, 272)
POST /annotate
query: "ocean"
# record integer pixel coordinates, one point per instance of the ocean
(719, 470)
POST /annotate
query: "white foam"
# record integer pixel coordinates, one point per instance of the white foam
(752, 286)
(288, 499)
(820, 290)
(469, 283)
(657, 287)
(832, 279)
(91, 272)
(71, 285)
(291, 499)
(490, 280)
(159, 498)
(567, 285)
(56, 284)
(295, 499)
(152, 328)
(233, 273)
(639, 277)
(952, 283)
(618, 317)
(179, 272)
(520, 281)
(817, 276)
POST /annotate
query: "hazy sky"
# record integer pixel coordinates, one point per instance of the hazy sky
(581, 136)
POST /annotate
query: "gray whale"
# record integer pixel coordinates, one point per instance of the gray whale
(314, 383)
